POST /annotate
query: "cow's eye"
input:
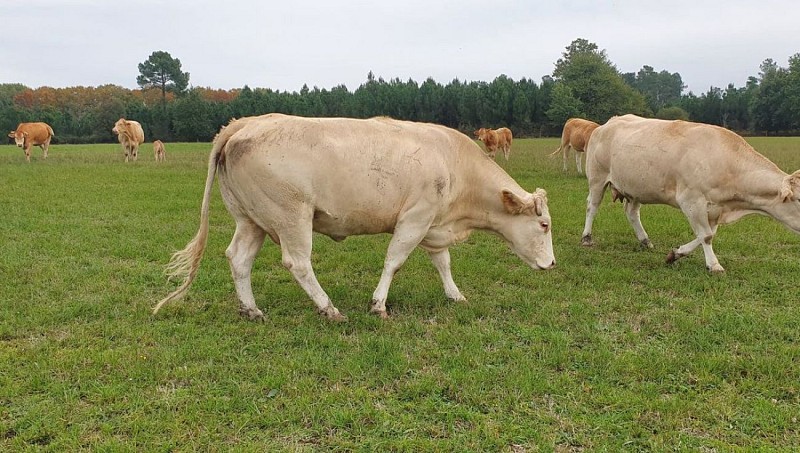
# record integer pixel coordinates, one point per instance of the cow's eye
(545, 226)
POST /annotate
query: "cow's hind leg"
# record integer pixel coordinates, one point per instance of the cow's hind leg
(632, 211)
(596, 191)
(296, 257)
(578, 159)
(242, 251)
(45, 147)
(441, 260)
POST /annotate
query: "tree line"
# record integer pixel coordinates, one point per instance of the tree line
(584, 83)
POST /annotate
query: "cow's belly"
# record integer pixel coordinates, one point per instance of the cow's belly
(645, 189)
(350, 223)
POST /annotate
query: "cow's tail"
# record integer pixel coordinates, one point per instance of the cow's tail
(50, 129)
(185, 263)
(558, 150)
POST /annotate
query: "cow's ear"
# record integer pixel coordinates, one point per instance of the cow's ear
(539, 201)
(789, 186)
(11, 134)
(512, 203)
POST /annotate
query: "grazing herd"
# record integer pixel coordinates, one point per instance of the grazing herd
(129, 133)
(285, 177)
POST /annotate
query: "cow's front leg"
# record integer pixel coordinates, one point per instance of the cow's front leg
(242, 251)
(696, 212)
(408, 233)
(441, 260)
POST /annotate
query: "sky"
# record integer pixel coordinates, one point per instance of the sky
(284, 44)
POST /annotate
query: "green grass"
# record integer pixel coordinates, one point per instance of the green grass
(611, 350)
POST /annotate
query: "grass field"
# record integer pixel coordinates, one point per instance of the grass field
(611, 350)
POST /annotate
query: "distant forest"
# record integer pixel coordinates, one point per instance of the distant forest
(584, 83)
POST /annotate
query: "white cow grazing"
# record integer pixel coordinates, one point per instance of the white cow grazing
(710, 173)
(284, 177)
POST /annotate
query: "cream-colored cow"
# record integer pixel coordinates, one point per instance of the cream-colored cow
(130, 135)
(28, 135)
(284, 177)
(575, 135)
(159, 151)
(711, 174)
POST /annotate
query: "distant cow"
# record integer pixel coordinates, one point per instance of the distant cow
(32, 134)
(284, 177)
(158, 150)
(576, 134)
(495, 139)
(130, 136)
(711, 174)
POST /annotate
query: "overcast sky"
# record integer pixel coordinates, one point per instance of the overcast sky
(284, 44)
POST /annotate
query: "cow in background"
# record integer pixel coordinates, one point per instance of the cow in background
(576, 134)
(158, 151)
(32, 134)
(495, 139)
(130, 136)
(710, 173)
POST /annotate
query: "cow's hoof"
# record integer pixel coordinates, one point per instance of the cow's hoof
(646, 244)
(332, 313)
(382, 313)
(253, 314)
(671, 257)
(587, 241)
(716, 269)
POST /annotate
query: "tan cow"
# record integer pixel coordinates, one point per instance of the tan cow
(495, 139)
(711, 174)
(576, 134)
(158, 151)
(130, 136)
(284, 177)
(32, 134)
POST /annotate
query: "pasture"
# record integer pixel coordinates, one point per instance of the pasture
(611, 350)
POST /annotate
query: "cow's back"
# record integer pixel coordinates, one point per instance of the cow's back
(37, 133)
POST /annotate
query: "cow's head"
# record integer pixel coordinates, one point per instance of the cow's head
(19, 137)
(118, 126)
(527, 227)
(480, 133)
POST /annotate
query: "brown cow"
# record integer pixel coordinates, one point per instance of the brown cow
(32, 134)
(130, 135)
(495, 139)
(577, 132)
(158, 150)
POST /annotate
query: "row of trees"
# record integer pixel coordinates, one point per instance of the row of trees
(584, 83)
